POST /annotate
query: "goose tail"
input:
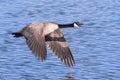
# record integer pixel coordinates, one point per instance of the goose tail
(17, 34)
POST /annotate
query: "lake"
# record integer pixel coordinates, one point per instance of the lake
(95, 46)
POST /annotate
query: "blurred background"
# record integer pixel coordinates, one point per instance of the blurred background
(95, 46)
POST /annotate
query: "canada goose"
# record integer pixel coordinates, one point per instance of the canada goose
(40, 34)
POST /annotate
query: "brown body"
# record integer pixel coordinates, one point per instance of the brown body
(40, 34)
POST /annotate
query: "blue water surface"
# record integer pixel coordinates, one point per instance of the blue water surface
(95, 46)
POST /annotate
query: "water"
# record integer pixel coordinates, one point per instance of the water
(95, 46)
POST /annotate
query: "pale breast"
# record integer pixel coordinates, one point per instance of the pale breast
(50, 27)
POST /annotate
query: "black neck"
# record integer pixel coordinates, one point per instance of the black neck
(66, 25)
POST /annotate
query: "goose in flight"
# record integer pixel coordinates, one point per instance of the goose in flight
(40, 34)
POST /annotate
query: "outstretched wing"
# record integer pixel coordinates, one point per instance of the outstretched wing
(57, 43)
(36, 41)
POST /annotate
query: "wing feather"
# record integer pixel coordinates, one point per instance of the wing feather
(57, 43)
(36, 41)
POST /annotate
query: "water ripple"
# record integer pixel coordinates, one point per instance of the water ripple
(95, 46)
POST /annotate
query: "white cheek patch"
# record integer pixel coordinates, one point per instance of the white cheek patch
(75, 25)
